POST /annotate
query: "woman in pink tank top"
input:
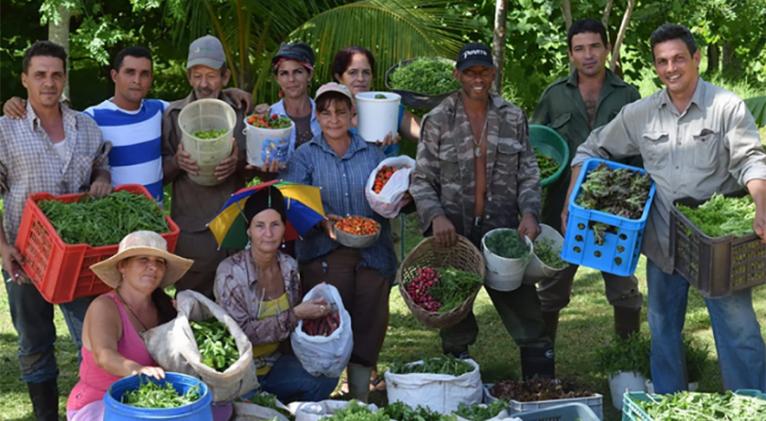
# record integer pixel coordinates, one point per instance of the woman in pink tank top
(112, 346)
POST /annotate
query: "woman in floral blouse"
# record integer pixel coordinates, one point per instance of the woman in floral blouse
(260, 289)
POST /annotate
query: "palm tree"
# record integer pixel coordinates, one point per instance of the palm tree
(251, 31)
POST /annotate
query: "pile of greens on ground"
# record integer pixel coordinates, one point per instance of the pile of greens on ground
(429, 76)
(548, 252)
(216, 345)
(720, 215)
(537, 389)
(267, 400)
(444, 364)
(481, 412)
(622, 192)
(210, 134)
(684, 406)
(104, 221)
(152, 395)
(400, 411)
(548, 166)
(507, 243)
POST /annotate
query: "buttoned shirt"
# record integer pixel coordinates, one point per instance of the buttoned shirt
(561, 107)
(342, 181)
(443, 182)
(711, 146)
(29, 163)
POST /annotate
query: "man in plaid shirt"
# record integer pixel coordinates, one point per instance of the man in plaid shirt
(56, 150)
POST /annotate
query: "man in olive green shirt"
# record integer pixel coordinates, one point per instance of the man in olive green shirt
(573, 106)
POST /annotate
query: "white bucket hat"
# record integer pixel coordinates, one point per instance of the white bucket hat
(142, 243)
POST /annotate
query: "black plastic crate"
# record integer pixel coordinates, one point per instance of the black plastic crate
(715, 266)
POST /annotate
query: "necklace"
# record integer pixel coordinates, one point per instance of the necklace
(477, 143)
(133, 313)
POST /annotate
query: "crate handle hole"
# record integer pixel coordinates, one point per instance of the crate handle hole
(620, 249)
(597, 253)
(578, 237)
(618, 260)
(577, 249)
(581, 226)
(623, 237)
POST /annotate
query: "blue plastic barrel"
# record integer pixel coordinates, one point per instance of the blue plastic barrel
(199, 410)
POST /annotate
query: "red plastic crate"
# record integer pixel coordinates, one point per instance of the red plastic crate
(60, 271)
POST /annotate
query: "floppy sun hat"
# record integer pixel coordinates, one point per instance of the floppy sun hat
(142, 243)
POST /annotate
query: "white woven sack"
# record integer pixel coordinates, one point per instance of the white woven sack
(324, 355)
(388, 202)
(315, 411)
(173, 347)
(251, 412)
(440, 392)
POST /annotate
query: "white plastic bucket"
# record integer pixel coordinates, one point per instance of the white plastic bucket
(377, 117)
(504, 274)
(622, 382)
(207, 114)
(267, 144)
(537, 270)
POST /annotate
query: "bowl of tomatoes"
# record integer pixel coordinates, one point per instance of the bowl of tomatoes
(356, 231)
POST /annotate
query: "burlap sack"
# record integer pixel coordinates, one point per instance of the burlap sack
(173, 347)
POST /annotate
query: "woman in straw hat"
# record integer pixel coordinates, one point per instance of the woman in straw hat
(261, 290)
(112, 345)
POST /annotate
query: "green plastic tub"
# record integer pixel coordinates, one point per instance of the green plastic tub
(549, 143)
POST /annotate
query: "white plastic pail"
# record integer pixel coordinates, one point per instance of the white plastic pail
(265, 145)
(504, 274)
(377, 117)
(207, 114)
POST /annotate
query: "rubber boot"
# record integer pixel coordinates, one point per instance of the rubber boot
(359, 381)
(551, 320)
(626, 321)
(45, 400)
(537, 362)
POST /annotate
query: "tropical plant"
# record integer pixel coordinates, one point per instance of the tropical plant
(630, 354)
(757, 107)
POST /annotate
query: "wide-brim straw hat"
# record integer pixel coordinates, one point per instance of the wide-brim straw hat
(142, 243)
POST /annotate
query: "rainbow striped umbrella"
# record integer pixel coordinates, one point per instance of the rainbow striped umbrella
(303, 204)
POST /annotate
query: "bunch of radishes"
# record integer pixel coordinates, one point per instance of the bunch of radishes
(418, 289)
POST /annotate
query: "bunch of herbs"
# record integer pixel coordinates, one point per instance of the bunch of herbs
(356, 411)
(720, 215)
(454, 287)
(443, 364)
(549, 253)
(547, 165)
(216, 345)
(152, 395)
(682, 406)
(400, 411)
(507, 243)
(480, 411)
(630, 354)
(429, 76)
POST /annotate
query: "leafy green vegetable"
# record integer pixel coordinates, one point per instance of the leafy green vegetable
(480, 411)
(548, 166)
(454, 287)
(104, 221)
(400, 411)
(720, 215)
(152, 395)
(216, 345)
(356, 411)
(547, 251)
(444, 364)
(507, 243)
(631, 354)
(267, 400)
(210, 134)
(621, 192)
(682, 406)
(429, 76)
(379, 96)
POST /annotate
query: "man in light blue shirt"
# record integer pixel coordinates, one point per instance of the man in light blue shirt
(695, 139)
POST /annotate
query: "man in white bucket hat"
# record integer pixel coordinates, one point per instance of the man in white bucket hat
(194, 205)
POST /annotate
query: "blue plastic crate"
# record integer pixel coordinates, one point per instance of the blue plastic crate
(631, 411)
(622, 243)
(568, 412)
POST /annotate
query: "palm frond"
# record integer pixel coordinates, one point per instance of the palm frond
(757, 107)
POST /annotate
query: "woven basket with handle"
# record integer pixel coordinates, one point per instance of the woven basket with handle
(463, 256)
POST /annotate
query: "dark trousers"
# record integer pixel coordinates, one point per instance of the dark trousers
(365, 295)
(32, 318)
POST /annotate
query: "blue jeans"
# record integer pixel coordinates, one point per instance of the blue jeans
(32, 318)
(738, 341)
(291, 382)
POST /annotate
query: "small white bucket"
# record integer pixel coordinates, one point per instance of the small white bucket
(504, 274)
(377, 117)
(624, 381)
(537, 270)
(265, 145)
(202, 115)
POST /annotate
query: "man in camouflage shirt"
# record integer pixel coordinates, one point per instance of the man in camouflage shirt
(476, 171)
(573, 106)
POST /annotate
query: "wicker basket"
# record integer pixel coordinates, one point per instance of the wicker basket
(463, 255)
